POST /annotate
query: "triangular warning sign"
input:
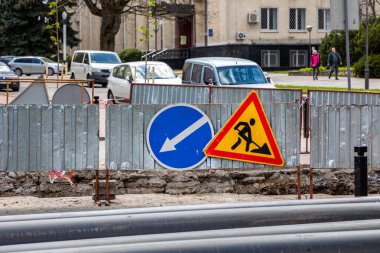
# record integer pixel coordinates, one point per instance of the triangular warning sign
(247, 136)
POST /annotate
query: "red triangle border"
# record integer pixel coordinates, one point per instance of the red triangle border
(251, 98)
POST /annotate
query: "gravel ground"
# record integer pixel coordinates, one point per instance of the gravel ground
(26, 205)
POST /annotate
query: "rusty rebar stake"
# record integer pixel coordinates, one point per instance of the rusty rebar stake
(311, 184)
(298, 182)
(107, 186)
(97, 186)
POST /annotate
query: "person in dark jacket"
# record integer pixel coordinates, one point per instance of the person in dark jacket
(333, 62)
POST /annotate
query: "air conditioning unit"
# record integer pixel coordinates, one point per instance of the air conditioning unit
(241, 36)
(253, 18)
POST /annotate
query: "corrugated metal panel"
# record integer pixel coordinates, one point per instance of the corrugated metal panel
(196, 94)
(336, 130)
(169, 94)
(318, 98)
(221, 95)
(42, 138)
(126, 126)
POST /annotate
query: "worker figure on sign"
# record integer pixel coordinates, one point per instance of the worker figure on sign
(245, 133)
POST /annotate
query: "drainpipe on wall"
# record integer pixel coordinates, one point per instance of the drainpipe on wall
(206, 25)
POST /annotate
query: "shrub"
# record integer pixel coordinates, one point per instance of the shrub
(373, 63)
(130, 54)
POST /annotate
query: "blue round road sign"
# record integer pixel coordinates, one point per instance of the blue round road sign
(177, 136)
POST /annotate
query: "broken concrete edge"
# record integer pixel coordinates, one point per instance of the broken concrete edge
(246, 181)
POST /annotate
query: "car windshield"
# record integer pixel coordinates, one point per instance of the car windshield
(4, 69)
(160, 72)
(235, 75)
(104, 58)
(46, 60)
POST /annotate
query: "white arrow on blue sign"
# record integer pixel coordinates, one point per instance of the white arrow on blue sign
(177, 136)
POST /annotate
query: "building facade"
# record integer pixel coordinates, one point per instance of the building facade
(272, 32)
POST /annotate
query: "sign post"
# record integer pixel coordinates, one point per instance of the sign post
(342, 20)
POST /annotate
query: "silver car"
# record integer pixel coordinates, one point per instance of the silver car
(29, 65)
(5, 74)
(225, 71)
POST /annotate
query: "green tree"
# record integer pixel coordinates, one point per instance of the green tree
(337, 39)
(23, 28)
(373, 38)
(24, 25)
(130, 54)
(55, 24)
(110, 12)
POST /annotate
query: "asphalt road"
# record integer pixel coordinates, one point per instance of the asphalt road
(282, 79)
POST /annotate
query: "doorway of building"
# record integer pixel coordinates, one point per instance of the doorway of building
(184, 32)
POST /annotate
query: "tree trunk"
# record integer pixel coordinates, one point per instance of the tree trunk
(111, 21)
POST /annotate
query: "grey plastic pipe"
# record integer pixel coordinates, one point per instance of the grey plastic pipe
(185, 208)
(196, 235)
(156, 223)
(367, 241)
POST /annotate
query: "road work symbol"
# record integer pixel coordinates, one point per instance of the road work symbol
(247, 136)
(177, 136)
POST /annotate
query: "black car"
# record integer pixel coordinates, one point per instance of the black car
(6, 59)
(7, 73)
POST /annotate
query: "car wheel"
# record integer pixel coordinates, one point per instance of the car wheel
(111, 97)
(50, 71)
(72, 76)
(18, 72)
(89, 83)
(16, 87)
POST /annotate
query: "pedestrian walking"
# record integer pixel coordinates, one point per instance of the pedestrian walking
(333, 62)
(315, 63)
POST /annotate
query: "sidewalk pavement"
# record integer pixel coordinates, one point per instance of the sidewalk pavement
(323, 81)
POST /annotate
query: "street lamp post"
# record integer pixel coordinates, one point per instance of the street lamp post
(64, 17)
(64, 38)
(309, 28)
(366, 67)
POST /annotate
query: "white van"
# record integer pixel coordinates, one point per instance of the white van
(97, 65)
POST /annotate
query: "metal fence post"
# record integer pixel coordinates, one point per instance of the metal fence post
(361, 171)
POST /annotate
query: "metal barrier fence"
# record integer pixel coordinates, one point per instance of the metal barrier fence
(39, 137)
(317, 98)
(339, 121)
(336, 130)
(168, 94)
(126, 126)
(201, 94)
(221, 95)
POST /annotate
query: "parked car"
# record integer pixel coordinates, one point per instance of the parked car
(225, 71)
(6, 59)
(30, 65)
(97, 65)
(119, 82)
(7, 73)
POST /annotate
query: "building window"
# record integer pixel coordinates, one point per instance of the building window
(270, 58)
(324, 19)
(298, 58)
(297, 19)
(269, 19)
